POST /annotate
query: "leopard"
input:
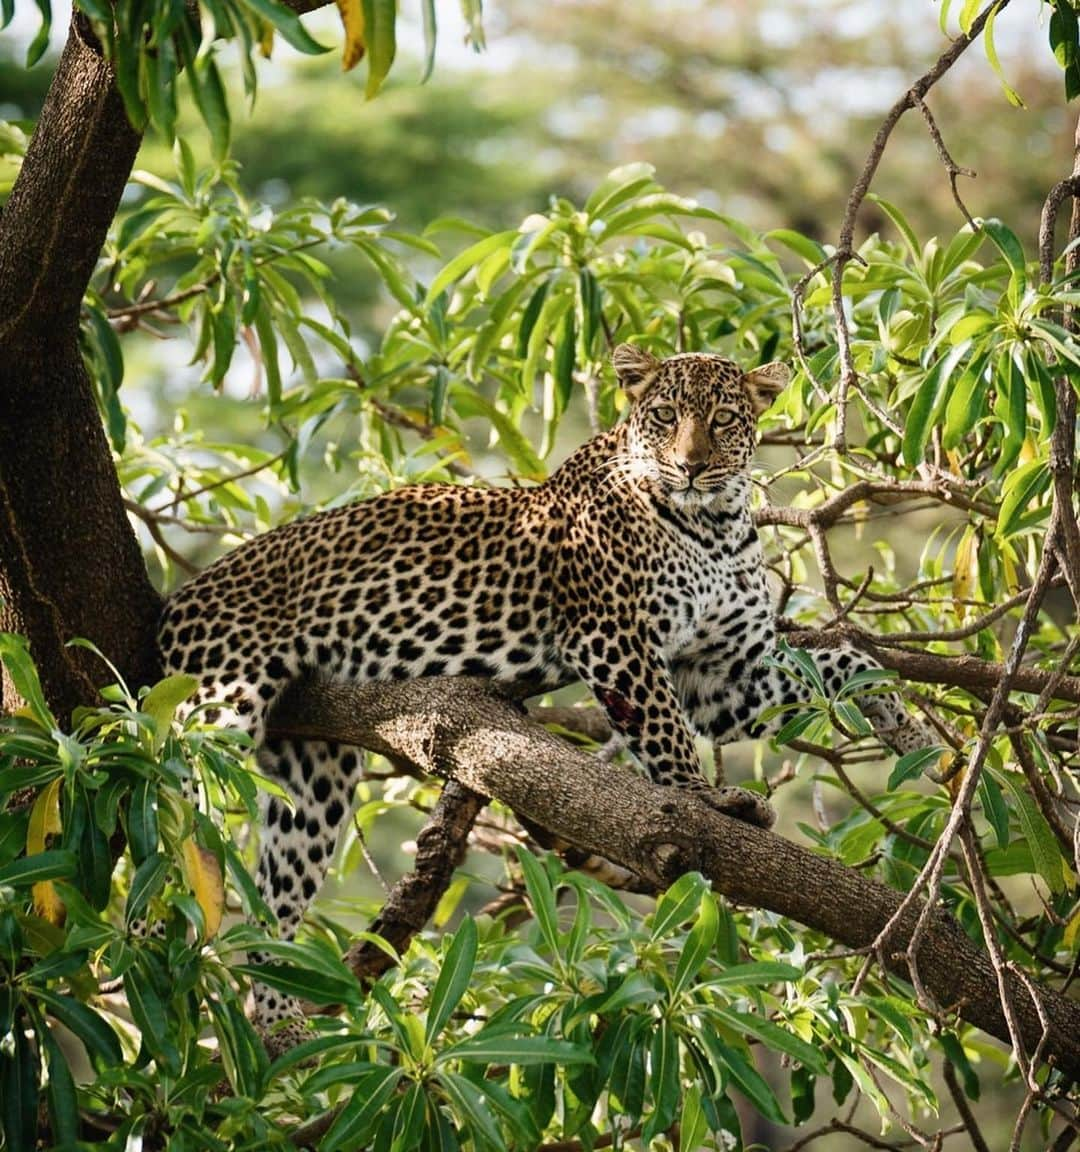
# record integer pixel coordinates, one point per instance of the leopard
(635, 568)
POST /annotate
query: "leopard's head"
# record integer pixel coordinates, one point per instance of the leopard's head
(692, 426)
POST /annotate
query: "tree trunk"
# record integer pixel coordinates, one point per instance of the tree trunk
(70, 564)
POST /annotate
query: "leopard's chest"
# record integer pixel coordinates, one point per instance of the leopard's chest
(702, 585)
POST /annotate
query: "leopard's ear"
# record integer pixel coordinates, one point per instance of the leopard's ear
(764, 384)
(635, 369)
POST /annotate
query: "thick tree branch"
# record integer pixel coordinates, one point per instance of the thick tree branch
(463, 730)
(66, 195)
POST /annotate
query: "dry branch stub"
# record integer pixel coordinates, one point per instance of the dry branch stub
(464, 730)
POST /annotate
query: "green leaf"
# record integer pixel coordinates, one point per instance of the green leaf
(699, 944)
(454, 978)
(803, 1082)
(634, 989)
(471, 1106)
(268, 350)
(1064, 33)
(380, 18)
(797, 662)
(1043, 391)
(357, 1119)
(913, 764)
(521, 453)
(678, 904)
(18, 1091)
(148, 1013)
(541, 899)
(968, 12)
(810, 250)
(61, 1094)
(439, 1135)
(1021, 487)
(1010, 408)
(495, 1046)
(207, 88)
(967, 399)
(1045, 851)
(991, 55)
(792, 729)
(427, 8)
(563, 364)
(40, 42)
(627, 1080)
(955, 1054)
(303, 983)
(95, 858)
(162, 701)
(663, 1080)
(142, 821)
(772, 1035)
(161, 81)
(464, 261)
(758, 974)
(907, 233)
(994, 808)
(97, 1036)
(15, 656)
(439, 386)
(618, 186)
(692, 1123)
(409, 1120)
(148, 881)
(749, 1080)
(52, 864)
(242, 1052)
(1008, 244)
(927, 404)
(530, 314)
(286, 21)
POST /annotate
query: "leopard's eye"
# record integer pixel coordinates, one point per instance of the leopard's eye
(664, 413)
(723, 417)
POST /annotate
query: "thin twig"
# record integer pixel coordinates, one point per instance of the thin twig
(930, 877)
(845, 247)
(951, 167)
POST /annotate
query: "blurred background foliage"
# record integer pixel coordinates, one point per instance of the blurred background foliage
(760, 110)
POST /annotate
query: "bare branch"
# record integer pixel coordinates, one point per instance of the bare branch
(845, 247)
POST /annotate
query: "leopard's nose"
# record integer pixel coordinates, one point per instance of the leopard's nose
(692, 468)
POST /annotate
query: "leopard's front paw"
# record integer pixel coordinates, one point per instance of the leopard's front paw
(739, 803)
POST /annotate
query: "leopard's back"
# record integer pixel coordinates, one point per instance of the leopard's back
(423, 581)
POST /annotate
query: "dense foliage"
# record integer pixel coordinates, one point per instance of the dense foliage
(915, 513)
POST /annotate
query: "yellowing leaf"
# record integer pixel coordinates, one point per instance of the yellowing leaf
(266, 39)
(965, 572)
(203, 875)
(1072, 931)
(45, 822)
(352, 20)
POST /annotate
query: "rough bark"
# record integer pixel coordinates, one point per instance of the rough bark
(69, 561)
(463, 730)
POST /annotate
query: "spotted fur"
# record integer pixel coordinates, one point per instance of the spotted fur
(635, 568)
